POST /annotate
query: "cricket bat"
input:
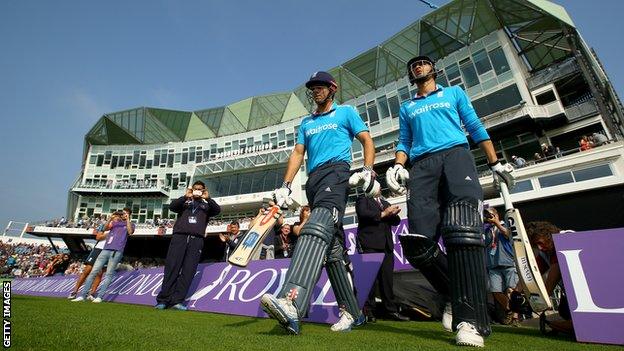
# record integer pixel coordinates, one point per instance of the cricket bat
(251, 242)
(534, 288)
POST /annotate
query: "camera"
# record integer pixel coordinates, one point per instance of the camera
(487, 214)
(197, 192)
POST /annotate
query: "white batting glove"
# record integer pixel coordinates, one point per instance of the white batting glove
(367, 179)
(503, 172)
(397, 177)
(281, 196)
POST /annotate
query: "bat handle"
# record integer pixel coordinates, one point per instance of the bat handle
(506, 196)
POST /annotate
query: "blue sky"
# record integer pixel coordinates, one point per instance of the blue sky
(65, 63)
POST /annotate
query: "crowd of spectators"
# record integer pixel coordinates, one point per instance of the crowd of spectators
(30, 260)
(123, 184)
(40, 260)
(85, 222)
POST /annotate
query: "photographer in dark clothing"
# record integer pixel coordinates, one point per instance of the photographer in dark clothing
(194, 209)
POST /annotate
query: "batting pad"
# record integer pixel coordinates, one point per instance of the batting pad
(307, 260)
(425, 255)
(462, 233)
(341, 280)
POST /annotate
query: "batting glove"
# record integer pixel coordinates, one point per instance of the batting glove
(281, 196)
(397, 177)
(503, 172)
(366, 178)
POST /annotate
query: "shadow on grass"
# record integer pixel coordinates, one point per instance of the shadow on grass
(531, 332)
(242, 323)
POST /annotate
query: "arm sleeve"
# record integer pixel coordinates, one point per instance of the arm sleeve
(469, 117)
(356, 123)
(394, 220)
(301, 134)
(405, 132)
(177, 205)
(365, 212)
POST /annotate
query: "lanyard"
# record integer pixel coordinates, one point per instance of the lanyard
(193, 207)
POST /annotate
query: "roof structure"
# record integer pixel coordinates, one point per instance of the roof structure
(535, 27)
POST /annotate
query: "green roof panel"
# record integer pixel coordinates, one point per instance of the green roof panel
(175, 121)
(197, 129)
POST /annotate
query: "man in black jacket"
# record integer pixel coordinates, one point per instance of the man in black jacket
(375, 218)
(194, 209)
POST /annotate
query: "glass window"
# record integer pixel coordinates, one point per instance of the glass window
(362, 111)
(384, 110)
(441, 79)
(470, 74)
(522, 186)
(393, 101)
(555, 179)
(452, 73)
(372, 113)
(592, 173)
(404, 93)
(92, 159)
(499, 61)
(545, 97)
(482, 62)
(281, 135)
(100, 160)
(184, 158)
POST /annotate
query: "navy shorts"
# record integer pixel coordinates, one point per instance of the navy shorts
(90, 260)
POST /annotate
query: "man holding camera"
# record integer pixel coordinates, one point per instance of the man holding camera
(119, 227)
(194, 209)
(501, 266)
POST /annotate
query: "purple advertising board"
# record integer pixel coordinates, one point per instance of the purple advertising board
(592, 270)
(400, 263)
(217, 287)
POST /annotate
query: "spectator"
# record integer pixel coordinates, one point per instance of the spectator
(537, 157)
(304, 214)
(285, 242)
(230, 238)
(502, 272)
(599, 139)
(540, 235)
(518, 162)
(58, 265)
(100, 235)
(375, 218)
(549, 151)
(194, 210)
(585, 143)
(119, 226)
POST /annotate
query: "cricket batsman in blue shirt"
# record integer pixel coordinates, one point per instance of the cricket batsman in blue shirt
(444, 197)
(326, 135)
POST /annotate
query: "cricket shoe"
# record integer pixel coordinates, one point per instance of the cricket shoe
(179, 307)
(78, 299)
(97, 300)
(90, 297)
(283, 310)
(72, 295)
(447, 318)
(467, 335)
(346, 321)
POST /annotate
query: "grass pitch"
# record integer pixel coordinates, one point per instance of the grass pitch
(42, 323)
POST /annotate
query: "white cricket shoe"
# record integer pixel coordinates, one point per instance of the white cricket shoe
(97, 300)
(78, 299)
(283, 310)
(90, 297)
(467, 335)
(447, 318)
(345, 322)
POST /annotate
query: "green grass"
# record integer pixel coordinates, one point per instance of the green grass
(56, 324)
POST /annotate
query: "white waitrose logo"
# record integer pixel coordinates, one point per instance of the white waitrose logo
(324, 127)
(429, 107)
